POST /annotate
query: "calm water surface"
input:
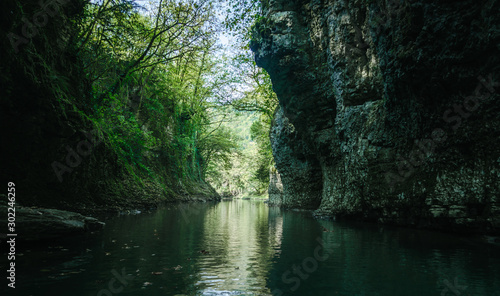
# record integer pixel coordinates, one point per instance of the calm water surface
(246, 248)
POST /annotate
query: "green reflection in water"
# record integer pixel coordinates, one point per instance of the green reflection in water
(247, 248)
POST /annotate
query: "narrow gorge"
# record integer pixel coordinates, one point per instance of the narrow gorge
(388, 110)
(256, 147)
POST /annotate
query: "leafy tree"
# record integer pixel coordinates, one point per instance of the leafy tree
(149, 68)
(251, 96)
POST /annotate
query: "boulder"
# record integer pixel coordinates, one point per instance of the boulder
(37, 223)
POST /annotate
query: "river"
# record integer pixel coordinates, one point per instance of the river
(244, 247)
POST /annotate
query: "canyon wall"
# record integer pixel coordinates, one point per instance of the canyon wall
(388, 109)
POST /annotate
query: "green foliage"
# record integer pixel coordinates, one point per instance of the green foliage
(245, 168)
(232, 174)
(149, 70)
(153, 83)
(252, 105)
(240, 15)
(264, 158)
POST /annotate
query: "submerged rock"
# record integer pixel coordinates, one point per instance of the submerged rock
(36, 223)
(389, 109)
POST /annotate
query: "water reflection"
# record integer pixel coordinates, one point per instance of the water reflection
(247, 248)
(240, 253)
(374, 260)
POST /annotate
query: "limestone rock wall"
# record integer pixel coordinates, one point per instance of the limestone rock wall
(275, 187)
(389, 109)
(300, 182)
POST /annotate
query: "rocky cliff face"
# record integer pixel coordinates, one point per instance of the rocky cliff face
(389, 109)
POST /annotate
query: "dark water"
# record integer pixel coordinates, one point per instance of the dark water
(246, 248)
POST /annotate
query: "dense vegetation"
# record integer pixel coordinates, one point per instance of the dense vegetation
(116, 98)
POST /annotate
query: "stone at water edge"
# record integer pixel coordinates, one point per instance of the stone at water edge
(38, 223)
